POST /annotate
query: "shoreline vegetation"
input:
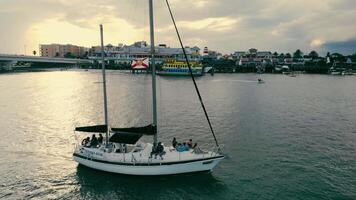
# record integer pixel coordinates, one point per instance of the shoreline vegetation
(221, 67)
(311, 63)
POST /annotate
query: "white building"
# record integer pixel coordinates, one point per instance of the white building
(253, 56)
(125, 54)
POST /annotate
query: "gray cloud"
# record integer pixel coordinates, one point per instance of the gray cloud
(346, 47)
(280, 25)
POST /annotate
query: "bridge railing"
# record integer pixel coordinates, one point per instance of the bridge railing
(40, 58)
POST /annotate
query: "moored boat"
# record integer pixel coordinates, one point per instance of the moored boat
(180, 68)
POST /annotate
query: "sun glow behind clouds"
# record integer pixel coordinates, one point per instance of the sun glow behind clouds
(200, 3)
(316, 43)
(55, 30)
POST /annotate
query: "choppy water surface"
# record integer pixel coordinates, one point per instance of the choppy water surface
(291, 138)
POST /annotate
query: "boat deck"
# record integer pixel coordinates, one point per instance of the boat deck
(141, 155)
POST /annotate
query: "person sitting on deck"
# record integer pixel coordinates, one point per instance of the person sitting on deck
(86, 141)
(100, 139)
(94, 141)
(195, 145)
(154, 151)
(174, 142)
(186, 147)
(157, 150)
(180, 147)
(160, 150)
(190, 143)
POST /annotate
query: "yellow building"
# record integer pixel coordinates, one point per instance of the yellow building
(60, 50)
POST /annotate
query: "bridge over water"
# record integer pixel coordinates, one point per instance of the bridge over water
(14, 62)
(37, 59)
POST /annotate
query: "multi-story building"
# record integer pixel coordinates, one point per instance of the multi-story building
(60, 50)
(125, 54)
(252, 56)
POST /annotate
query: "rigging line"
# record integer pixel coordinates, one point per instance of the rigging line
(191, 74)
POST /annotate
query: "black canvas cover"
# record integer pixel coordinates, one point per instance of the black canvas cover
(145, 130)
(93, 129)
(125, 138)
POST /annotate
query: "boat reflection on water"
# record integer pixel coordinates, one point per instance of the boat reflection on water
(105, 185)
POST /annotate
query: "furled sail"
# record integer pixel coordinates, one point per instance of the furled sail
(93, 129)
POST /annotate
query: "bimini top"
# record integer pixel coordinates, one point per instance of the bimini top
(144, 130)
(131, 135)
(93, 129)
(121, 135)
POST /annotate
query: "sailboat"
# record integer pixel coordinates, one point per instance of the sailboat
(121, 151)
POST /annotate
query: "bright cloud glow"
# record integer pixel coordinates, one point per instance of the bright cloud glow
(316, 43)
(213, 24)
(61, 32)
(208, 24)
(200, 3)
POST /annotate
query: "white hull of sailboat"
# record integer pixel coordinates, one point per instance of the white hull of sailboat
(139, 162)
(164, 169)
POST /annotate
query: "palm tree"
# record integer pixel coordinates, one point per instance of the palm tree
(338, 57)
(298, 53)
(313, 54)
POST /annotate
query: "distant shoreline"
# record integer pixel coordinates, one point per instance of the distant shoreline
(34, 69)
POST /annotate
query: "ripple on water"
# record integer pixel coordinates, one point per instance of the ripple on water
(287, 139)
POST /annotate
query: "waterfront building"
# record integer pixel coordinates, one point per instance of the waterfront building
(252, 56)
(60, 50)
(126, 53)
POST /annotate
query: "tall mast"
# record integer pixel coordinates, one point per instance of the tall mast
(153, 67)
(104, 84)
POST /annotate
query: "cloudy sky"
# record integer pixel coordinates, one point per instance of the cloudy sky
(223, 25)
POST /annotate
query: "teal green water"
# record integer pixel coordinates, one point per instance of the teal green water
(290, 138)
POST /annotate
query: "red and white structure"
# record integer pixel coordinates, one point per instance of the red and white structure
(140, 63)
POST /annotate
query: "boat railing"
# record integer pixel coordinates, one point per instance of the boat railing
(216, 151)
(133, 159)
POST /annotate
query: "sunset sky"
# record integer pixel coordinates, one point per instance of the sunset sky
(224, 25)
